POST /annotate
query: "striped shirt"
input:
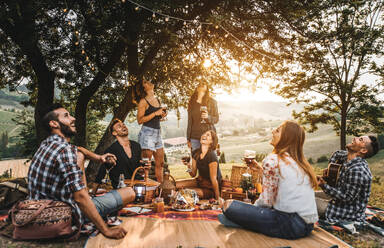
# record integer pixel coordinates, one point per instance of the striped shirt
(351, 194)
(54, 173)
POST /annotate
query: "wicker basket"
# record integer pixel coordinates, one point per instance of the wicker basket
(150, 184)
(237, 170)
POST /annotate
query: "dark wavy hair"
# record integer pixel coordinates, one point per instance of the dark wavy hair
(212, 147)
(206, 98)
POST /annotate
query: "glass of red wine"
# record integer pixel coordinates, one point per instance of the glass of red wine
(187, 159)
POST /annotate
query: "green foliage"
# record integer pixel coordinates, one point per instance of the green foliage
(6, 174)
(334, 44)
(4, 140)
(28, 142)
(16, 98)
(310, 160)
(322, 159)
(222, 158)
(260, 156)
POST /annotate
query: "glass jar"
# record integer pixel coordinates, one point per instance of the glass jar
(158, 205)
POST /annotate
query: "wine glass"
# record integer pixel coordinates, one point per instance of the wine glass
(165, 110)
(107, 178)
(203, 109)
(187, 159)
(249, 155)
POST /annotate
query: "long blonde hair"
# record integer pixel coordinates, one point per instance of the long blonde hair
(292, 137)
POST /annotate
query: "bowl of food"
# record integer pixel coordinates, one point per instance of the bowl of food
(186, 200)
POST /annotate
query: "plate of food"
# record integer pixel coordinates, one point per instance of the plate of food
(180, 206)
(209, 206)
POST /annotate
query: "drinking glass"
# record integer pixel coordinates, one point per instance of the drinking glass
(165, 110)
(203, 109)
(187, 159)
(249, 155)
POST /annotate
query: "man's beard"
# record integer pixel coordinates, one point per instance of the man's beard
(66, 130)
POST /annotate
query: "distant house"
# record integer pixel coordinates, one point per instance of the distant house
(173, 144)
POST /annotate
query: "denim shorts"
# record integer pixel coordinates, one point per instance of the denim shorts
(150, 138)
(108, 203)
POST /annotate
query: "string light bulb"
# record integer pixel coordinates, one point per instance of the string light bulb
(226, 35)
(166, 18)
(82, 51)
(217, 26)
(64, 10)
(86, 58)
(153, 15)
(123, 1)
(76, 32)
(69, 23)
(137, 8)
(76, 43)
(185, 23)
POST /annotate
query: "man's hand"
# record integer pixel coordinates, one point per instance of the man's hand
(116, 232)
(325, 172)
(108, 158)
(320, 181)
(255, 166)
(204, 115)
(189, 144)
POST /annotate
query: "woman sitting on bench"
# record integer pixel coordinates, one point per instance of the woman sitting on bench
(286, 208)
(204, 161)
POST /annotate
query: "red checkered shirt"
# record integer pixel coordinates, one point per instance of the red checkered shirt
(54, 173)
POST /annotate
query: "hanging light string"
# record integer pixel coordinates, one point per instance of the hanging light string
(195, 21)
(77, 42)
(166, 18)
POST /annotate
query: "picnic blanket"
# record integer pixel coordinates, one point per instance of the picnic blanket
(161, 233)
(197, 214)
(374, 221)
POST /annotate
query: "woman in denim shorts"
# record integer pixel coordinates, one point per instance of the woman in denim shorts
(149, 114)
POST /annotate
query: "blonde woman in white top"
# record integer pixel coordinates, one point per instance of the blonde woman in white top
(287, 207)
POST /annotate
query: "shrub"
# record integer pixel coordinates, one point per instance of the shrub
(322, 159)
(310, 160)
(260, 156)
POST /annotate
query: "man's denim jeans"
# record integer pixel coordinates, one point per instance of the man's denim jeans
(267, 221)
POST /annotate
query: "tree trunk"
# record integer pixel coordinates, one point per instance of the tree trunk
(87, 93)
(20, 27)
(45, 96)
(127, 104)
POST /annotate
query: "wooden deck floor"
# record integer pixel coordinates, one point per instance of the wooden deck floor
(147, 232)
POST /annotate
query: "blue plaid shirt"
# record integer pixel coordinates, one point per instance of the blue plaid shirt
(351, 194)
(54, 173)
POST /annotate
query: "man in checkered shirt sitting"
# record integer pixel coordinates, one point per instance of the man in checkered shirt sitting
(350, 196)
(57, 173)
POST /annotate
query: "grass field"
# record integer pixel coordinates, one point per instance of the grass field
(6, 123)
(322, 142)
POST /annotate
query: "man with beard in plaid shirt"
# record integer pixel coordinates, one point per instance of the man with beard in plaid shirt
(57, 173)
(350, 196)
